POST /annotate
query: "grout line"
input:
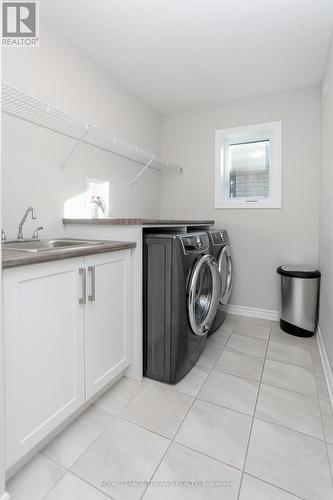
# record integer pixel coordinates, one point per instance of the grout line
(322, 440)
(91, 485)
(264, 419)
(68, 469)
(277, 487)
(313, 396)
(195, 398)
(283, 362)
(193, 402)
(58, 481)
(291, 341)
(304, 347)
(171, 441)
(132, 397)
(324, 433)
(236, 376)
(231, 349)
(98, 435)
(113, 415)
(141, 426)
(291, 390)
(238, 469)
(252, 422)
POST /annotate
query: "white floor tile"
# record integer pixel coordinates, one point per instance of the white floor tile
(232, 392)
(252, 330)
(35, 479)
(290, 409)
(247, 345)
(243, 365)
(213, 348)
(287, 453)
(289, 354)
(218, 432)
(192, 382)
(330, 455)
(321, 385)
(123, 452)
(69, 445)
(327, 416)
(181, 465)
(255, 489)
(289, 460)
(230, 322)
(219, 338)
(116, 398)
(255, 321)
(295, 378)
(316, 361)
(158, 408)
(71, 487)
(278, 335)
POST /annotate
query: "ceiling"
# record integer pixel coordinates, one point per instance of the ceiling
(176, 54)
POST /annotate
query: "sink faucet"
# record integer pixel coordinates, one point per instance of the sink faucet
(24, 218)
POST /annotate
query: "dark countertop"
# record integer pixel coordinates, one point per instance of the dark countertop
(138, 222)
(11, 258)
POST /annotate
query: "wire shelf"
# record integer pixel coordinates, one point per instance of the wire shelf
(30, 109)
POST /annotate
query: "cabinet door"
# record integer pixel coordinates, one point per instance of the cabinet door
(107, 318)
(44, 350)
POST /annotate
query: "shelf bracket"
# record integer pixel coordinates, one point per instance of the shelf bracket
(141, 171)
(72, 151)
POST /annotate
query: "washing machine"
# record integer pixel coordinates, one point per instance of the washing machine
(220, 249)
(182, 288)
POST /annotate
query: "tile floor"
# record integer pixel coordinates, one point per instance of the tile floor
(251, 421)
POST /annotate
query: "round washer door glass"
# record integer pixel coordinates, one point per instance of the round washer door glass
(226, 269)
(203, 294)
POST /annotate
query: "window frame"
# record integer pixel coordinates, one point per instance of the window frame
(237, 135)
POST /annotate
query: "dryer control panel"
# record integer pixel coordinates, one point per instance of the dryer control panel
(219, 237)
(197, 242)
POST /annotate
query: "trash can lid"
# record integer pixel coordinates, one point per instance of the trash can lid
(306, 272)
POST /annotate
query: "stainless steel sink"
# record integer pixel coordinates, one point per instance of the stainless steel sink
(43, 245)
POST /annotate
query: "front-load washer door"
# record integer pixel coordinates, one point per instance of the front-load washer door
(226, 268)
(203, 294)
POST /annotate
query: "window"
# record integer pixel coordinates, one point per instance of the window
(248, 166)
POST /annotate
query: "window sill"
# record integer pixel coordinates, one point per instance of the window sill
(249, 205)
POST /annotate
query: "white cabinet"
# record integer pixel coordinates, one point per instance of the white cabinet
(43, 350)
(107, 318)
(62, 343)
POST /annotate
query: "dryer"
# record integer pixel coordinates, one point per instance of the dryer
(220, 249)
(182, 288)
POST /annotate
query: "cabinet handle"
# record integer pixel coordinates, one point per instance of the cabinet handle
(92, 296)
(83, 273)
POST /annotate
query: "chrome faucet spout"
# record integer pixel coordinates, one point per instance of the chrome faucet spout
(24, 218)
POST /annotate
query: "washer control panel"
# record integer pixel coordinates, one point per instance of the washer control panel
(197, 242)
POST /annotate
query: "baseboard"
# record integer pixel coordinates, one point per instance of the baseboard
(253, 312)
(324, 359)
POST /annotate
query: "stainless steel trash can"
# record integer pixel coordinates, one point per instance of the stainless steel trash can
(299, 299)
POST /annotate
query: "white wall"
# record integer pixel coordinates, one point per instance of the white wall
(326, 209)
(261, 239)
(62, 75)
